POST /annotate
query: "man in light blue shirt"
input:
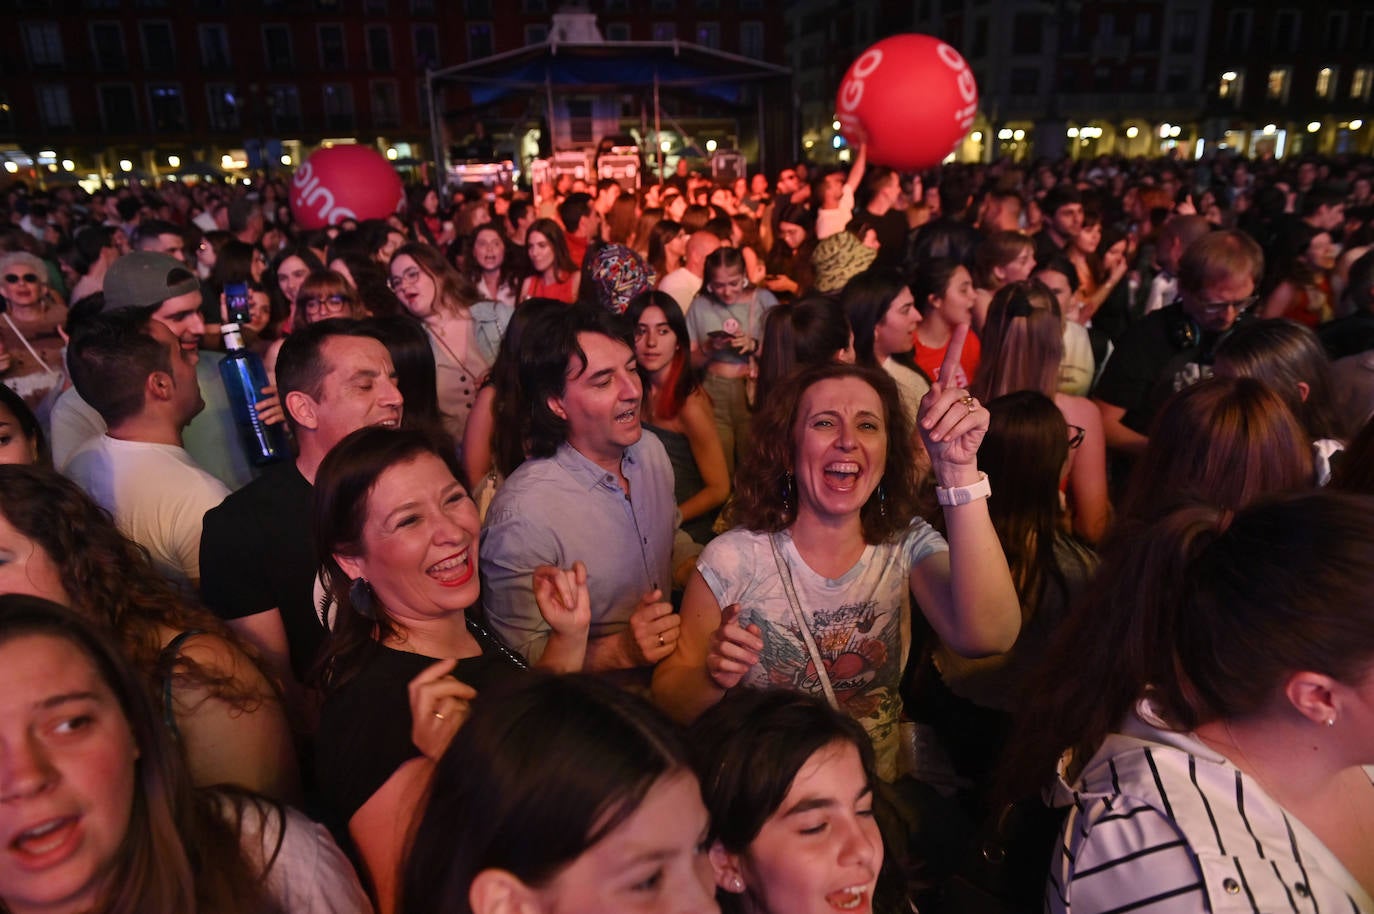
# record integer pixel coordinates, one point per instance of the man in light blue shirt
(596, 490)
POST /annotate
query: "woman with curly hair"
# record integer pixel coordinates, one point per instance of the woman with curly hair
(816, 583)
(226, 713)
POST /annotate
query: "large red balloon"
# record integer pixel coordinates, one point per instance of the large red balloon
(344, 182)
(914, 97)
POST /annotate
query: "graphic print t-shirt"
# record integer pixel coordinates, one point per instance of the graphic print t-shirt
(861, 622)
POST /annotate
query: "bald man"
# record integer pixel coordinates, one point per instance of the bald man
(684, 283)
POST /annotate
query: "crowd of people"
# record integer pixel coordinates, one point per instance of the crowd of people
(768, 545)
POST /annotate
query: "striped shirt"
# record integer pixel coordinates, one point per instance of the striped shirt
(1160, 823)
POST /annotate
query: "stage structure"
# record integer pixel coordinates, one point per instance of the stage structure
(598, 72)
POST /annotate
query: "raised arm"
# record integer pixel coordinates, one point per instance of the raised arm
(967, 593)
(856, 171)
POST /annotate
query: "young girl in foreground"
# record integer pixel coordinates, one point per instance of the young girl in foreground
(562, 795)
(99, 813)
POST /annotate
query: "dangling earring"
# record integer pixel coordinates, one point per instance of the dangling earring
(787, 489)
(882, 500)
(362, 598)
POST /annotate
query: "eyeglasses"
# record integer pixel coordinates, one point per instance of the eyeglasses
(411, 275)
(330, 303)
(1077, 437)
(1213, 308)
(14, 279)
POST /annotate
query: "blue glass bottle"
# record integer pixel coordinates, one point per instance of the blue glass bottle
(244, 378)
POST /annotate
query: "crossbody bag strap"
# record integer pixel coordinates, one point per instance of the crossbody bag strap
(800, 617)
(27, 345)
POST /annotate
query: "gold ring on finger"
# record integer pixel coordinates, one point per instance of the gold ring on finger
(660, 640)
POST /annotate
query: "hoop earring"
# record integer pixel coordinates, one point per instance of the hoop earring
(363, 598)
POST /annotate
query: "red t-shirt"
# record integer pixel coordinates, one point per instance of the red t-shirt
(577, 247)
(930, 359)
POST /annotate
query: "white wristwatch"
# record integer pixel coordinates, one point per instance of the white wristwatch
(953, 496)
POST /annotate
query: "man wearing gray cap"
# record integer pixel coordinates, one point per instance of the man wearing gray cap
(171, 295)
(134, 371)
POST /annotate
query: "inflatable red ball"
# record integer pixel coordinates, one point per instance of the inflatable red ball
(344, 182)
(913, 96)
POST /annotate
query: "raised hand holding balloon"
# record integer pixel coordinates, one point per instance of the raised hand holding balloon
(911, 97)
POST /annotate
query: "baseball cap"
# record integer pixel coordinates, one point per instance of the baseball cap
(144, 279)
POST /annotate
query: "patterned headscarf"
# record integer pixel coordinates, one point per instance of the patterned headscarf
(618, 275)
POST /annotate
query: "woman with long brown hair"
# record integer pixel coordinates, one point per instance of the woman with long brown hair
(677, 410)
(1290, 359)
(1222, 442)
(99, 811)
(1207, 711)
(554, 273)
(1023, 345)
(490, 267)
(464, 332)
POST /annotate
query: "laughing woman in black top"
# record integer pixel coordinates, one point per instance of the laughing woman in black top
(397, 537)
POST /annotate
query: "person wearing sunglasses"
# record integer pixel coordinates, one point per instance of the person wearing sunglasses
(1172, 347)
(30, 345)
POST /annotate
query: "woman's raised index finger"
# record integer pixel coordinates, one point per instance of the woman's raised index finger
(953, 353)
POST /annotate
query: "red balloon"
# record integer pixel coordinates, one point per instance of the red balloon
(915, 98)
(344, 182)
